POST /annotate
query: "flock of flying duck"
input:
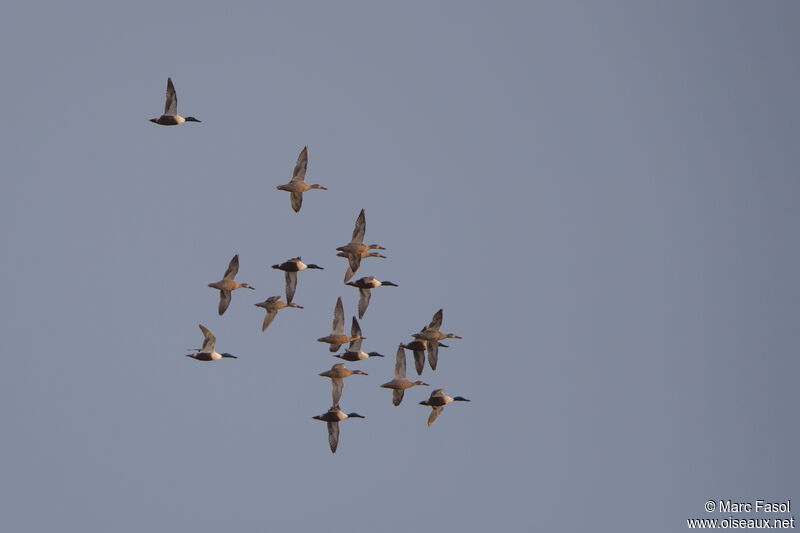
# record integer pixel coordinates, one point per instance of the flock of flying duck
(427, 340)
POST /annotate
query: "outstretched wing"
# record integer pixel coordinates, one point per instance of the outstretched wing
(209, 340)
(360, 229)
(333, 435)
(397, 396)
(433, 353)
(354, 261)
(338, 387)
(435, 412)
(419, 361)
(268, 319)
(363, 301)
(338, 318)
(400, 364)
(299, 173)
(297, 201)
(233, 268)
(348, 275)
(171, 105)
(291, 285)
(436, 322)
(224, 301)
(355, 331)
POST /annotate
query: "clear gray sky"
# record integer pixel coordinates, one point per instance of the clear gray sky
(601, 195)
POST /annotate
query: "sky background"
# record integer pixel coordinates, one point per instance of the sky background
(601, 195)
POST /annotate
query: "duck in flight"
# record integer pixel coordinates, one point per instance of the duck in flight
(171, 116)
(337, 336)
(227, 284)
(354, 351)
(431, 336)
(365, 286)
(337, 373)
(437, 401)
(272, 305)
(298, 184)
(356, 249)
(348, 275)
(399, 384)
(207, 351)
(333, 417)
(291, 268)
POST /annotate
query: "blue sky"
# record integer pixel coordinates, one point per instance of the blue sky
(602, 197)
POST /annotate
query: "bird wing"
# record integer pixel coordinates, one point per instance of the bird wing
(397, 396)
(348, 275)
(299, 173)
(233, 268)
(435, 412)
(363, 301)
(297, 201)
(224, 301)
(268, 319)
(438, 393)
(433, 353)
(209, 340)
(419, 361)
(333, 435)
(171, 104)
(338, 386)
(436, 322)
(291, 285)
(360, 228)
(338, 318)
(400, 364)
(355, 331)
(354, 261)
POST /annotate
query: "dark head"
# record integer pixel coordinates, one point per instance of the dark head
(316, 267)
(229, 356)
(154, 120)
(276, 266)
(355, 415)
(389, 284)
(191, 119)
(460, 399)
(317, 417)
(374, 354)
(424, 402)
(351, 283)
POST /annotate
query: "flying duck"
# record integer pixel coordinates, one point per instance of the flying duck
(171, 116)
